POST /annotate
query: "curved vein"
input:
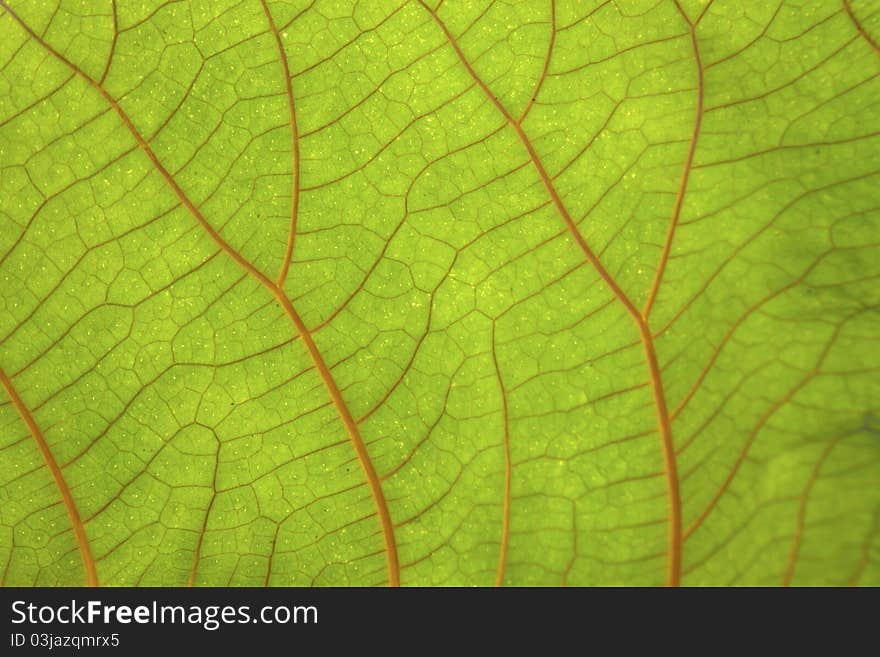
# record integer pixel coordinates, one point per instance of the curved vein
(317, 358)
(505, 520)
(688, 167)
(756, 430)
(76, 523)
(294, 134)
(551, 42)
(847, 6)
(802, 511)
(664, 425)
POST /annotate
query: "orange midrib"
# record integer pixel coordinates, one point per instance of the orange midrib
(318, 360)
(76, 523)
(356, 439)
(664, 426)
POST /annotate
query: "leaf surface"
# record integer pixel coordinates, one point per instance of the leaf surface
(430, 293)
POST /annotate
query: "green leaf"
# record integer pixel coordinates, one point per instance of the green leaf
(429, 293)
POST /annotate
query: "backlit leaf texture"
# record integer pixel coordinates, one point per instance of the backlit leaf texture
(441, 292)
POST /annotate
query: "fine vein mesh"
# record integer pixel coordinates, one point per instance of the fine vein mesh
(439, 293)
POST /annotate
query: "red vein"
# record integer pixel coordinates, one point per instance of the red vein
(664, 426)
(753, 435)
(574, 546)
(76, 523)
(685, 176)
(294, 134)
(272, 549)
(802, 512)
(276, 291)
(543, 77)
(847, 6)
(356, 439)
(112, 43)
(191, 580)
(505, 522)
(866, 551)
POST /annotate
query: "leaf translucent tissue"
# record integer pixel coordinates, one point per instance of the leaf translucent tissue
(439, 293)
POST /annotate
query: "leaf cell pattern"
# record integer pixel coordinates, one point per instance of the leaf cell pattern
(333, 292)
